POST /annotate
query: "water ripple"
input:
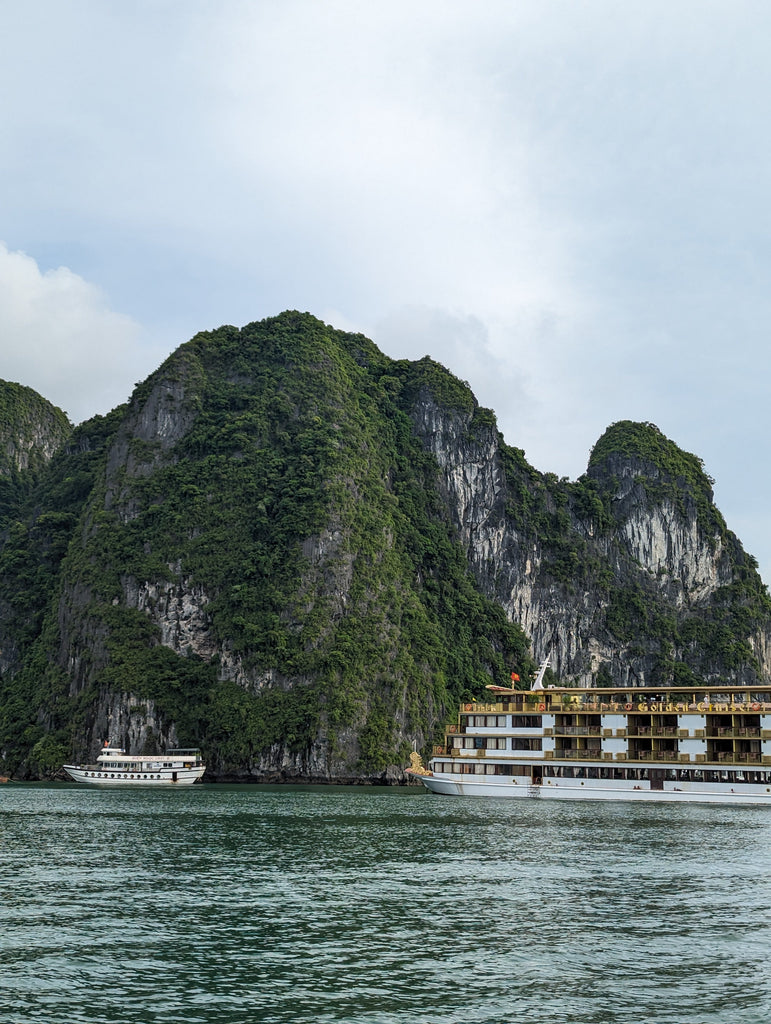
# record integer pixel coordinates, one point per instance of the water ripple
(232, 905)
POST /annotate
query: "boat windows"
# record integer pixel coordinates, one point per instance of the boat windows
(526, 721)
(760, 778)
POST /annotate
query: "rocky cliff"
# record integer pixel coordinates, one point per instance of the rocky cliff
(31, 429)
(301, 555)
(628, 576)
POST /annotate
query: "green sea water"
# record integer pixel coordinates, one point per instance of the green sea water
(231, 905)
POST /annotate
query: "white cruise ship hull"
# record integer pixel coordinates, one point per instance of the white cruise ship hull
(164, 777)
(591, 789)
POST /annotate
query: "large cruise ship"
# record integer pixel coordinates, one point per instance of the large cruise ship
(678, 744)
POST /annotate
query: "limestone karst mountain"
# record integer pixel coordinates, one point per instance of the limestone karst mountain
(300, 554)
(31, 429)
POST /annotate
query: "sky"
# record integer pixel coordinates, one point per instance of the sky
(565, 202)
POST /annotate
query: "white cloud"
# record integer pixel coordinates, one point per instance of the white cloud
(462, 342)
(563, 201)
(61, 338)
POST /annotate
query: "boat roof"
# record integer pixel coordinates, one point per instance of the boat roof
(118, 754)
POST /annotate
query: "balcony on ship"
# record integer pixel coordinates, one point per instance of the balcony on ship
(647, 747)
(578, 753)
(578, 745)
(577, 725)
(743, 751)
(653, 725)
(733, 726)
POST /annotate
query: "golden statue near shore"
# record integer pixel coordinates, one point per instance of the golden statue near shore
(416, 765)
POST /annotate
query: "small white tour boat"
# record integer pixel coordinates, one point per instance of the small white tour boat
(680, 744)
(115, 768)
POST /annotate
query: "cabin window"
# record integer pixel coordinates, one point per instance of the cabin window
(526, 743)
(526, 721)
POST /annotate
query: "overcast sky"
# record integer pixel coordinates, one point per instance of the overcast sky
(563, 201)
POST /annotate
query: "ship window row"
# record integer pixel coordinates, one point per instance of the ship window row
(669, 774)
(497, 743)
(626, 774)
(502, 722)
(131, 766)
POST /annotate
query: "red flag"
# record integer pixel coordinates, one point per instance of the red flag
(514, 677)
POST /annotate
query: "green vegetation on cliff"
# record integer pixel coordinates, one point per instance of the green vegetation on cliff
(669, 472)
(691, 643)
(31, 430)
(257, 554)
(297, 502)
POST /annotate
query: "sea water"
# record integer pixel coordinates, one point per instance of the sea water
(220, 904)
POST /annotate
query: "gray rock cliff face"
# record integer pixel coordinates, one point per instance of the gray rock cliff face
(665, 547)
(152, 425)
(40, 442)
(688, 563)
(31, 430)
(131, 722)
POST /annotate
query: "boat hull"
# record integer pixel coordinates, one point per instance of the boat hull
(591, 789)
(163, 777)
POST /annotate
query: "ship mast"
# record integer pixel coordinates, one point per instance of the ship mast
(538, 681)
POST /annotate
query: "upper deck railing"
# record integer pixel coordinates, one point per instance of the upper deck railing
(575, 702)
(752, 757)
